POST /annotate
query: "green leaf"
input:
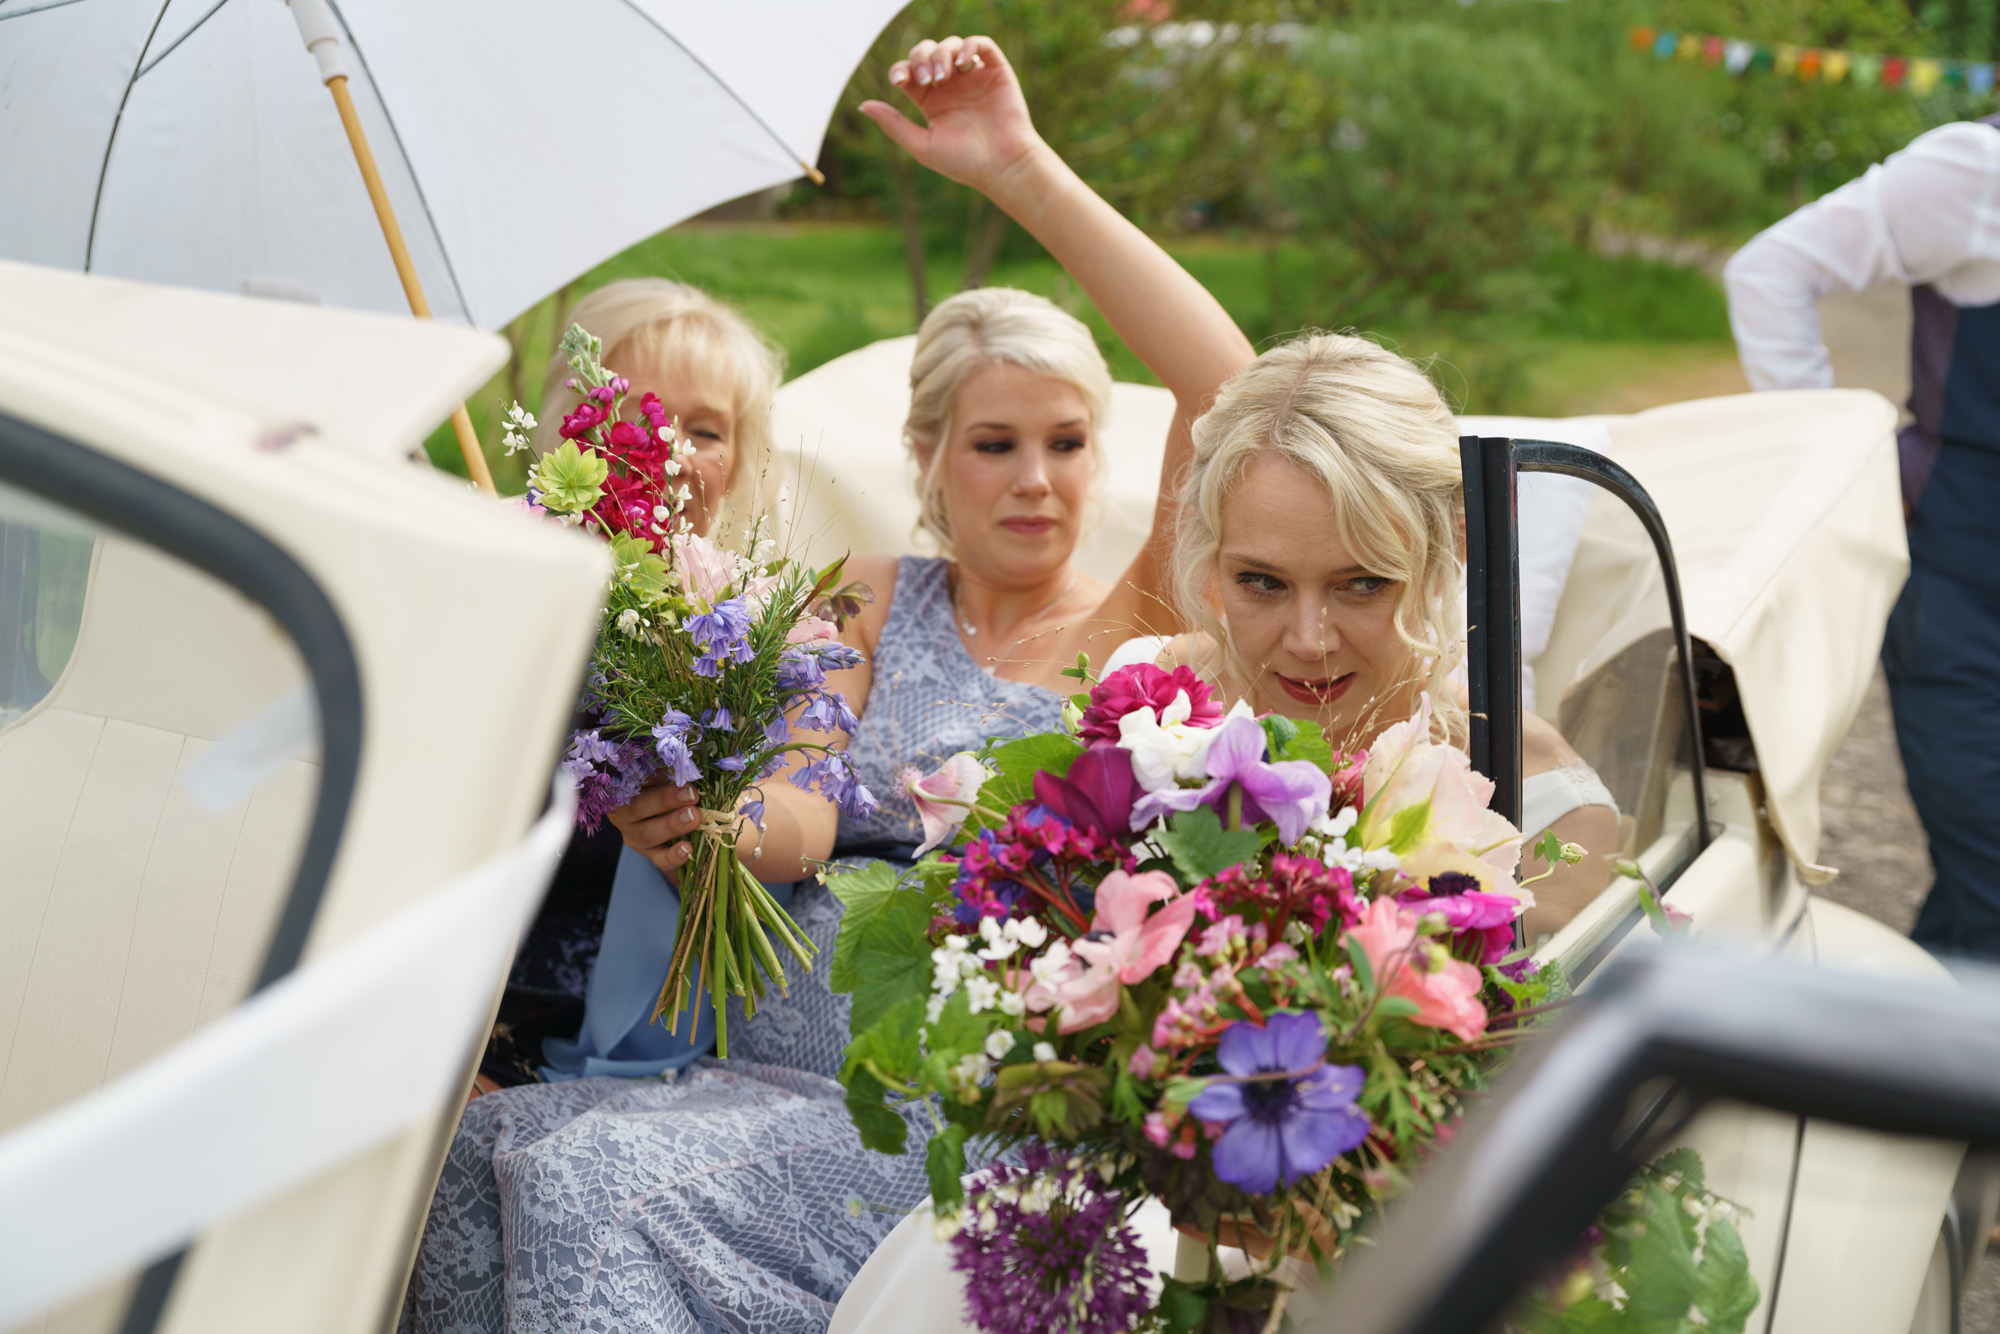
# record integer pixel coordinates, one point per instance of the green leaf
(1278, 733)
(881, 953)
(865, 896)
(890, 1044)
(1201, 847)
(1357, 958)
(1549, 848)
(1684, 1163)
(1408, 826)
(944, 1164)
(881, 1129)
(1660, 1276)
(1014, 765)
(1725, 1292)
(1310, 744)
(638, 568)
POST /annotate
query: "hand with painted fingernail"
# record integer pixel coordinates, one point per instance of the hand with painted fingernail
(977, 122)
(655, 824)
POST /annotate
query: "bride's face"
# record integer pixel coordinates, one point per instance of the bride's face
(1306, 617)
(707, 422)
(1016, 475)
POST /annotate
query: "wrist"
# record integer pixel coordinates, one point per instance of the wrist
(1026, 181)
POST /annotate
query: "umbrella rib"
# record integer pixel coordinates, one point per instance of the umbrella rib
(702, 65)
(416, 183)
(175, 45)
(111, 140)
(35, 9)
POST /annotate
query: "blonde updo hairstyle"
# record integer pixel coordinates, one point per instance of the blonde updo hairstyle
(657, 322)
(1372, 429)
(966, 334)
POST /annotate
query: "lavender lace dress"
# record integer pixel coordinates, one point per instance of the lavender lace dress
(733, 1195)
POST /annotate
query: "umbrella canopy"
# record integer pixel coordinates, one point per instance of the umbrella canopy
(521, 142)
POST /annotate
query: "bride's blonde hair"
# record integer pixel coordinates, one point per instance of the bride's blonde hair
(1373, 430)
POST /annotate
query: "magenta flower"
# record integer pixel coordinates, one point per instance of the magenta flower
(587, 418)
(1098, 793)
(1483, 922)
(1294, 1120)
(1290, 794)
(1144, 686)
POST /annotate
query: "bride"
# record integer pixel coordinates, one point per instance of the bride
(1320, 554)
(737, 1194)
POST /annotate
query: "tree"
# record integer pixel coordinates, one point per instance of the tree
(1154, 114)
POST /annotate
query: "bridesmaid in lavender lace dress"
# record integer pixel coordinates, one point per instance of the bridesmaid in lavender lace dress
(736, 1194)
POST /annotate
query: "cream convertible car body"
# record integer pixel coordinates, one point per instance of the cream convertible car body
(1784, 519)
(278, 710)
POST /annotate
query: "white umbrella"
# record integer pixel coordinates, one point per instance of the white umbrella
(519, 141)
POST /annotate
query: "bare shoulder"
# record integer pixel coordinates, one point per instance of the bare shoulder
(1542, 747)
(879, 573)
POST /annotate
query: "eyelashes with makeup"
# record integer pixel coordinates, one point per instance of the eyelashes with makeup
(1258, 584)
(1066, 445)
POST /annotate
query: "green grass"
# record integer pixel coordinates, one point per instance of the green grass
(824, 289)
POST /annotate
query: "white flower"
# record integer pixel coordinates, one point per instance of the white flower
(767, 547)
(1011, 1004)
(1336, 826)
(1049, 966)
(682, 495)
(1030, 932)
(983, 992)
(998, 1043)
(1045, 1051)
(934, 1009)
(628, 623)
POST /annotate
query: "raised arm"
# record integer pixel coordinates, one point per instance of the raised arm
(979, 133)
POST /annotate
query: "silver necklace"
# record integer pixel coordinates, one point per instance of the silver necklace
(971, 632)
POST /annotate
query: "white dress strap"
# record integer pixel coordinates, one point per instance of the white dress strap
(1547, 797)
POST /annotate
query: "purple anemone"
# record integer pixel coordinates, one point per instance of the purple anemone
(1295, 1119)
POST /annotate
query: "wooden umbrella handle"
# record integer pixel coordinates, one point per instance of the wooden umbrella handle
(461, 421)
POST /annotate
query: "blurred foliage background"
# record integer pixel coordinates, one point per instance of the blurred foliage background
(1506, 189)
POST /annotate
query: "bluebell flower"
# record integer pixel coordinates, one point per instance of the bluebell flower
(673, 723)
(771, 766)
(827, 711)
(778, 731)
(799, 671)
(718, 719)
(673, 752)
(755, 810)
(835, 656)
(733, 763)
(859, 803)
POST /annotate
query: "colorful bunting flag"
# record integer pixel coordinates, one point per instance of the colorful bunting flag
(1810, 64)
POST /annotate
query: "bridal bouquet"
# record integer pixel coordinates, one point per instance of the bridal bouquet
(704, 661)
(1186, 953)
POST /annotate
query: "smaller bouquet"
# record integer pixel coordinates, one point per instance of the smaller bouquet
(706, 662)
(1184, 952)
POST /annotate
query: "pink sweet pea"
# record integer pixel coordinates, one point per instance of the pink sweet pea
(810, 628)
(706, 570)
(943, 798)
(1445, 990)
(1124, 946)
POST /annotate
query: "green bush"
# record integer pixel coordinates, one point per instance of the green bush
(1438, 161)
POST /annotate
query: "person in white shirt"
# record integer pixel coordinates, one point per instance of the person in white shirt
(1929, 217)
